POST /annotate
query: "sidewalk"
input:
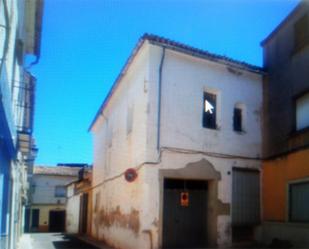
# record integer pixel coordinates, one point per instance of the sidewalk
(25, 242)
(94, 242)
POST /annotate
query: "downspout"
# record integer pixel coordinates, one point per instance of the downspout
(159, 100)
(7, 35)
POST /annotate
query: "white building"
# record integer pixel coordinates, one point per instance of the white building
(49, 192)
(177, 145)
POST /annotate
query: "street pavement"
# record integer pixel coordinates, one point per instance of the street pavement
(53, 241)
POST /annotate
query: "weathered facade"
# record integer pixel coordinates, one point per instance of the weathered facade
(177, 149)
(285, 178)
(79, 204)
(20, 31)
(48, 202)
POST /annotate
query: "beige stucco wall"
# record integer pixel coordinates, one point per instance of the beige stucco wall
(129, 215)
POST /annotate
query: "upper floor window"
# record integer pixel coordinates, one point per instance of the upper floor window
(60, 191)
(237, 119)
(129, 120)
(301, 33)
(302, 112)
(210, 110)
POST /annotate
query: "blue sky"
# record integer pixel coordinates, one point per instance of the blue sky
(86, 42)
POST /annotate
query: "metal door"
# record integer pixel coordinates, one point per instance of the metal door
(83, 213)
(35, 218)
(27, 220)
(245, 203)
(185, 224)
(57, 221)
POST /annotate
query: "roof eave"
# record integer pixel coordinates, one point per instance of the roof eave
(155, 40)
(281, 24)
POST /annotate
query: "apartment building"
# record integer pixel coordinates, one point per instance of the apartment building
(177, 150)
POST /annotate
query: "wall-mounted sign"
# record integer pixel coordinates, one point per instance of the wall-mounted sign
(184, 199)
(130, 175)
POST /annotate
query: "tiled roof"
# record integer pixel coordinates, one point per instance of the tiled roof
(176, 46)
(181, 47)
(56, 170)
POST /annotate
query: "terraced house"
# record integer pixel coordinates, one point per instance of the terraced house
(49, 197)
(177, 150)
(20, 32)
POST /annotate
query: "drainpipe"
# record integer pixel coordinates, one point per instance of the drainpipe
(7, 35)
(159, 100)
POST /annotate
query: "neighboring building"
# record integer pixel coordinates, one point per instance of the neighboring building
(177, 148)
(49, 191)
(79, 204)
(285, 181)
(20, 32)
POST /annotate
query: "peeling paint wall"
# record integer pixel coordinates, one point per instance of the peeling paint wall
(175, 165)
(129, 215)
(116, 203)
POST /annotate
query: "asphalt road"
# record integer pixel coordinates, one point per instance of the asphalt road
(57, 241)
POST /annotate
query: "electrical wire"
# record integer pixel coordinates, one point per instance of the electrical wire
(173, 150)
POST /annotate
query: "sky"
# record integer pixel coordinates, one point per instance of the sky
(85, 43)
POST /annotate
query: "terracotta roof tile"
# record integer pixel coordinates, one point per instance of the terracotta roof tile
(56, 170)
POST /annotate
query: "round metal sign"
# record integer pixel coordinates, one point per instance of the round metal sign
(130, 175)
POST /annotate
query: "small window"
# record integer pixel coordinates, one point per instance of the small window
(97, 202)
(301, 33)
(110, 137)
(60, 191)
(129, 120)
(237, 119)
(209, 110)
(302, 112)
(299, 202)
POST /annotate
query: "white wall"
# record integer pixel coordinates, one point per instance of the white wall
(44, 188)
(184, 80)
(127, 212)
(125, 150)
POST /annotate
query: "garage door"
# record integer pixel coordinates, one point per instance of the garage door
(245, 197)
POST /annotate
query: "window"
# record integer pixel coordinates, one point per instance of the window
(60, 191)
(110, 137)
(210, 110)
(299, 202)
(302, 112)
(301, 33)
(97, 202)
(237, 119)
(129, 120)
